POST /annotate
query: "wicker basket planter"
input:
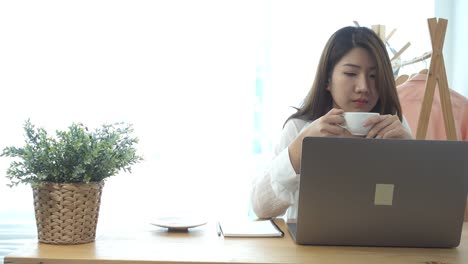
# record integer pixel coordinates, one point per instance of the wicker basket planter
(67, 213)
(67, 172)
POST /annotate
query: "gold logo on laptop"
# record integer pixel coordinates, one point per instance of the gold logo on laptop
(384, 194)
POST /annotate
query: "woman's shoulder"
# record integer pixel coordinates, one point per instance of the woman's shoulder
(295, 124)
(291, 129)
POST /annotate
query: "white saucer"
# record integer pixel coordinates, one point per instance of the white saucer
(178, 223)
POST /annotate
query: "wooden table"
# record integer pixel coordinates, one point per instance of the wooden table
(150, 244)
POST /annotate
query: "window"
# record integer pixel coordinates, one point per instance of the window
(207, 85)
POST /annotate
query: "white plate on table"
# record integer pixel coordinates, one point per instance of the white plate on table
(178, 223)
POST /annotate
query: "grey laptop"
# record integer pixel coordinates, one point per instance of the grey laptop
(371, 192)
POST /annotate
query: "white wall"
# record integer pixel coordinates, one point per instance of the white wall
(456, 41)
(460, 52)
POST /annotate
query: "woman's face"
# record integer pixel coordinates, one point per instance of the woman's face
(352, 83)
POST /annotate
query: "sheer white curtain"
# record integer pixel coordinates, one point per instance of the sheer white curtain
(207, 85)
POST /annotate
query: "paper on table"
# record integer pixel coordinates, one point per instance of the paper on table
(249, 228)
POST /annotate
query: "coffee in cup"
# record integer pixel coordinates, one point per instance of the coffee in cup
(354, 122)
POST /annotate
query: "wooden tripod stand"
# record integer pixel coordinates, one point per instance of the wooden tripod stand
(437, 74)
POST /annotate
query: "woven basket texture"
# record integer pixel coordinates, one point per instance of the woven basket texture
(67, 213)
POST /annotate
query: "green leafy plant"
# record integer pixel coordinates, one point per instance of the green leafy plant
(73, 156)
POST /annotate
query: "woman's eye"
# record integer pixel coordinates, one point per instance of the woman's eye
(350, 74)
(372, 76)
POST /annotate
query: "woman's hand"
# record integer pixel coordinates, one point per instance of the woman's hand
(387, 126)
(329, 125)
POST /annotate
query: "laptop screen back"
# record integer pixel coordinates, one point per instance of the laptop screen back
(370, 192)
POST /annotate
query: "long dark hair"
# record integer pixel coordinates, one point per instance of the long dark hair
(319, 100)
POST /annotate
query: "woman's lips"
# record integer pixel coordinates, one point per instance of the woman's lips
(360, 102)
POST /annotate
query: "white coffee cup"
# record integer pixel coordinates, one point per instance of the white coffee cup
(354, 122)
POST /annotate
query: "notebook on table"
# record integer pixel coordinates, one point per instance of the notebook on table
(248, 228)
(374, 192)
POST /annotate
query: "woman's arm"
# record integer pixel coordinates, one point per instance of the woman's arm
(325, 126)
(269, 197)
(273, 191)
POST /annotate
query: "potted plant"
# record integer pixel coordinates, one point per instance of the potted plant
(67, 173)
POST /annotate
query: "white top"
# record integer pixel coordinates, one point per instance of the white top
(277, 190)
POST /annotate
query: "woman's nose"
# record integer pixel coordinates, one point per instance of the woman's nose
(362, 85)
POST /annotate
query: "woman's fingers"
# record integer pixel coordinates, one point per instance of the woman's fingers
(387, 126)
(328, 125)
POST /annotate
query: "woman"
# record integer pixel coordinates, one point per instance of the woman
(354, 75)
